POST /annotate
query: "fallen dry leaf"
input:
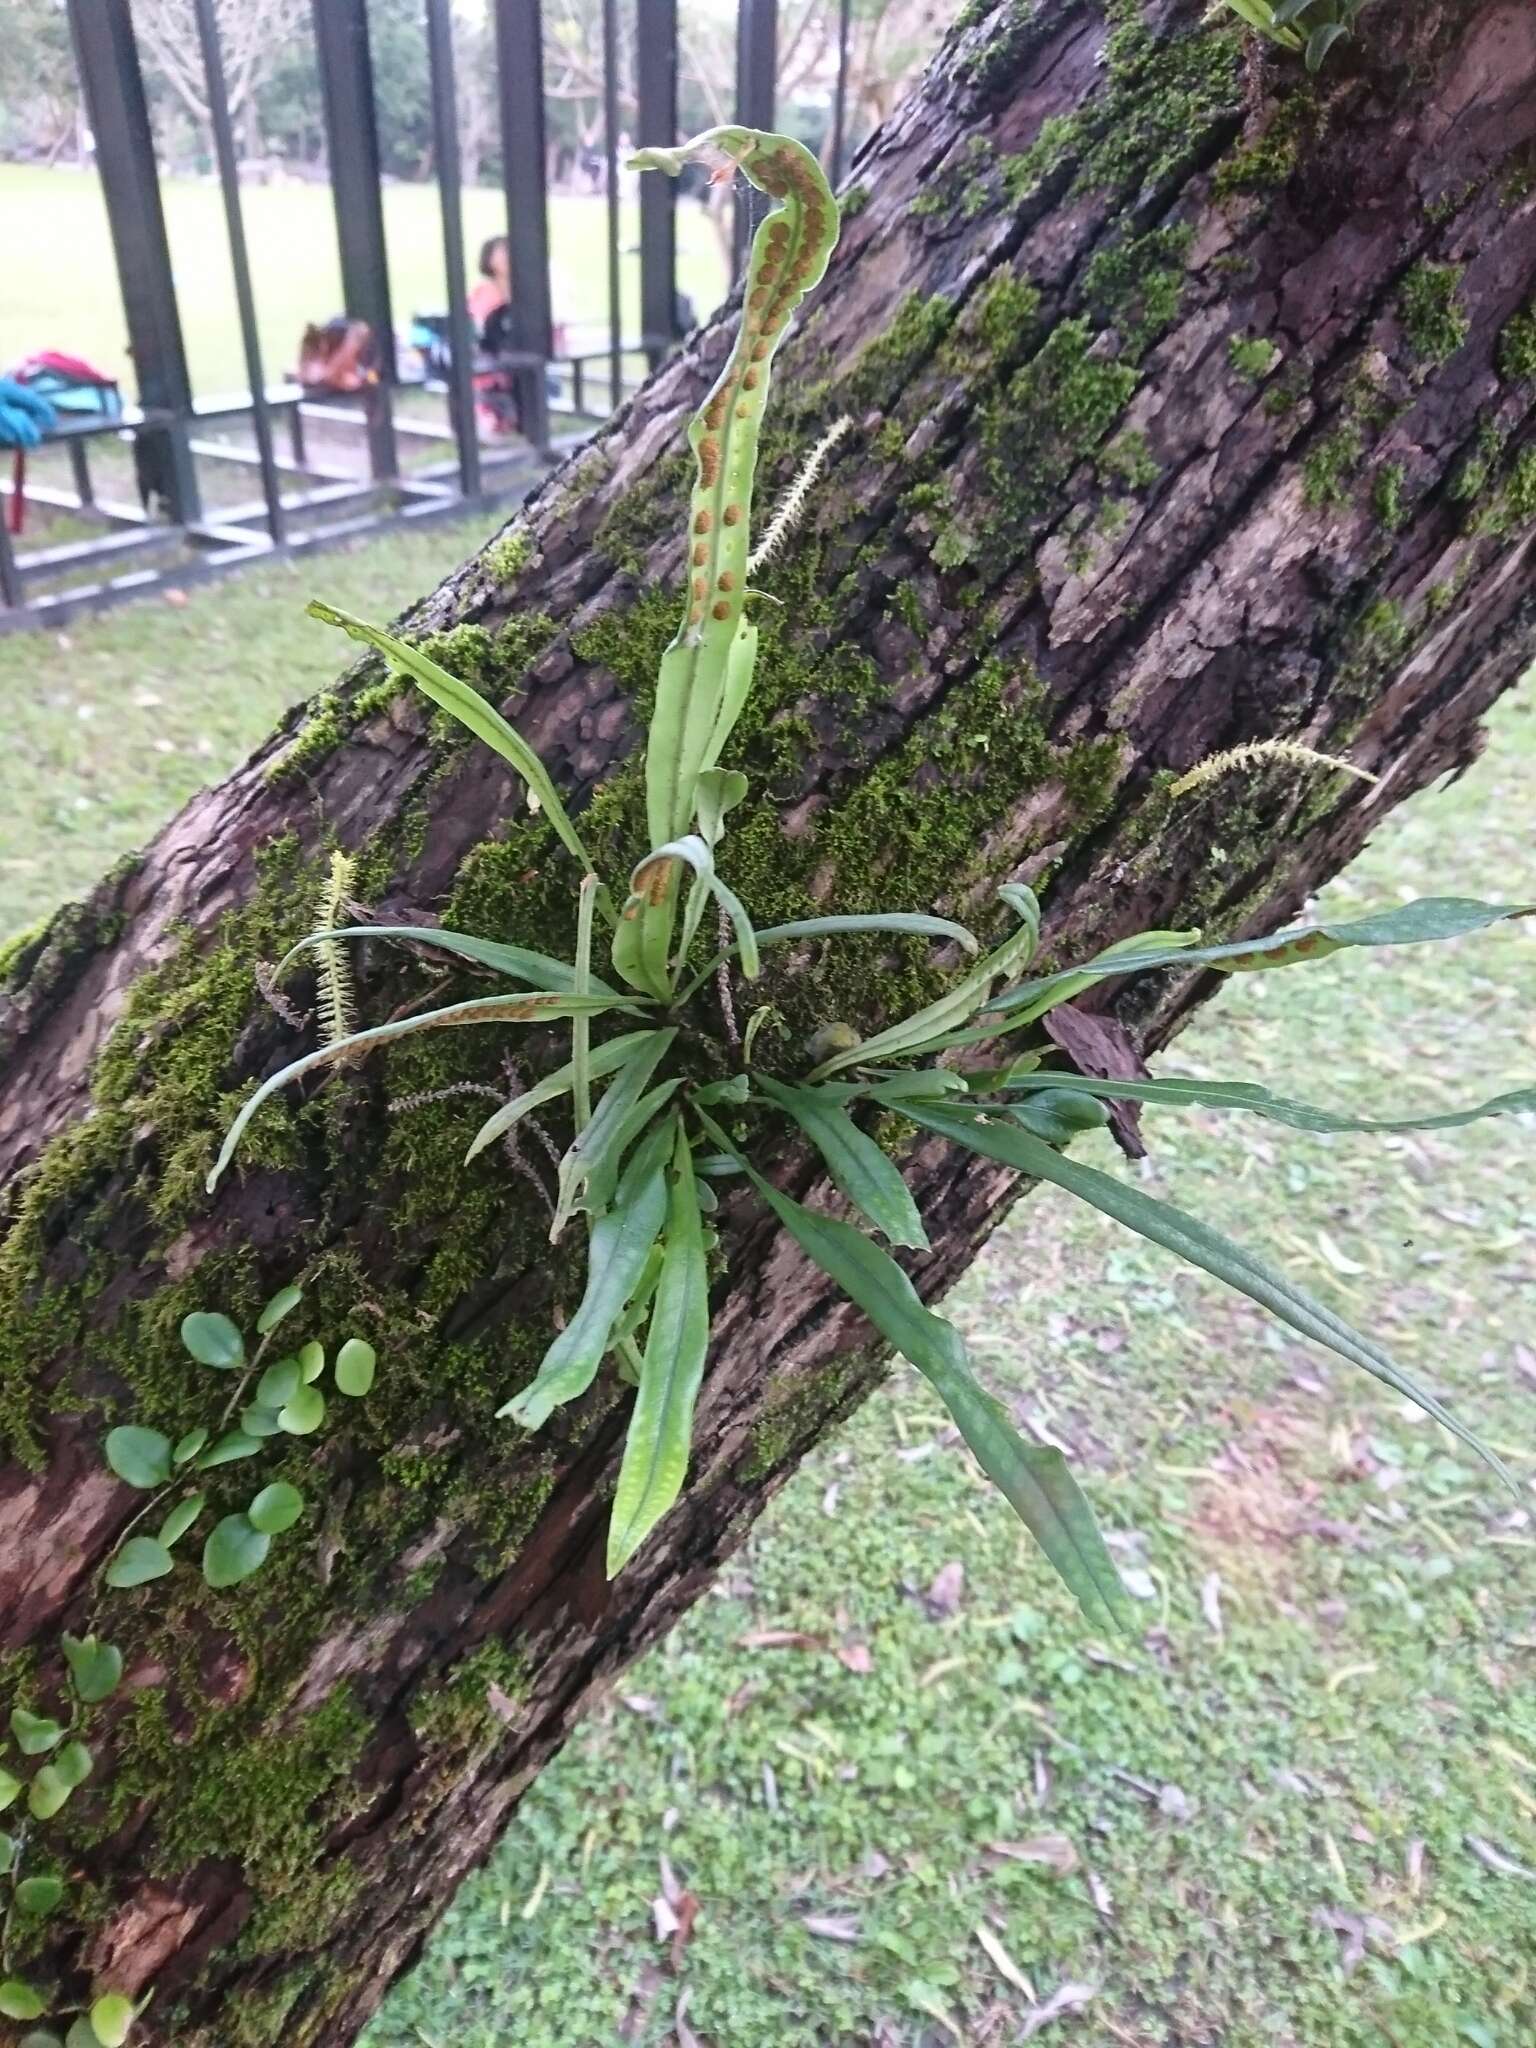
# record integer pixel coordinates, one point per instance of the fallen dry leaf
(1210, 1602)
(943, 1596)
(831, 1926)
(1354, 1931)
(1054, 1853)
(687, 1912)
(856, 1657)
(1065, 1998)
(780, 1639)
(1002, 1962)
(1496, 1860)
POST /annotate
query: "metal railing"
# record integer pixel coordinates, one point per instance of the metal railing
(303, 505)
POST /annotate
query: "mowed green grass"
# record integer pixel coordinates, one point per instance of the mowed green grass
(58, 287)
(914, 1803)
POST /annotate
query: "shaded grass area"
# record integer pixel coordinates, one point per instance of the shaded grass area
(112, 724)
(910, 1798)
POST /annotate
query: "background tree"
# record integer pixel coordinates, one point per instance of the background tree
(252, 37)
(39, 101)
(1194, 402)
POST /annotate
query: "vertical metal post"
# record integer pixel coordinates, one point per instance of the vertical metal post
(11, 591)
(229, 180)
(112, 87)
(352, 146)
(520, 70)
(611, 171)
(757, 63)
(445, 151)
(840, 93)
(656, 64)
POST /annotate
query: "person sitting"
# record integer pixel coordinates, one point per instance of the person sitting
(494, 289)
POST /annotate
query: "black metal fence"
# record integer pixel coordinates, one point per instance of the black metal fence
(173, 537)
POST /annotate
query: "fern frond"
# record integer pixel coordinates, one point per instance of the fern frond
(791, 507)
(1215, 766)
(333, 996)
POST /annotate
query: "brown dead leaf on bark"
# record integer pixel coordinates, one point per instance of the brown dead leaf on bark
(1104, 1051)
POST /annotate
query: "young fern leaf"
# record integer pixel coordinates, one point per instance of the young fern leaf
(334, 1000)
(956, 1006)
(706, 672)
(617, 1269)
(516, 962)
(614, 1125)
(1428, 919)
(1258, 1101)
(534, 1009)
(676, 1344)
(604, 1060)
(1034, 1480)
(907, 923)
(640, 944)
(581, 1025)
(1199, 1245)
(472, 711)
(855, 1162)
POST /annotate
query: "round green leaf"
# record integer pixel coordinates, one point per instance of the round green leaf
(74, 1763)
(189, 1445)
(304, 1413)
(140, 1560)
(112, 2016)
(276, 1508)
(285, 1299)
(355, 1363)
(45, 1795)
(234, 1550)
(19, 2001)
(141, 1456)
(10, 1787)
(94, 1666)
(311, 1360)
(238, 1444)
(213, 1340)
(39, 2037)
(279, 1383)
(34, 1733)
(181, 1518)
(259, 1421)
(81, 2034)
(7, 1852)
(38, 1895)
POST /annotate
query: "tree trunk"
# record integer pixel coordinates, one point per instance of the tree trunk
(1193, 404)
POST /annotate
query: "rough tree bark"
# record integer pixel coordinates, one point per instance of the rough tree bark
(1193, 404)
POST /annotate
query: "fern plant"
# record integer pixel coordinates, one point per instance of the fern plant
(1307, 28)
(647, 1142)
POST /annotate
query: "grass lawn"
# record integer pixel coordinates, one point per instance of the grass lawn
(913, 1799)
(58, 287)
